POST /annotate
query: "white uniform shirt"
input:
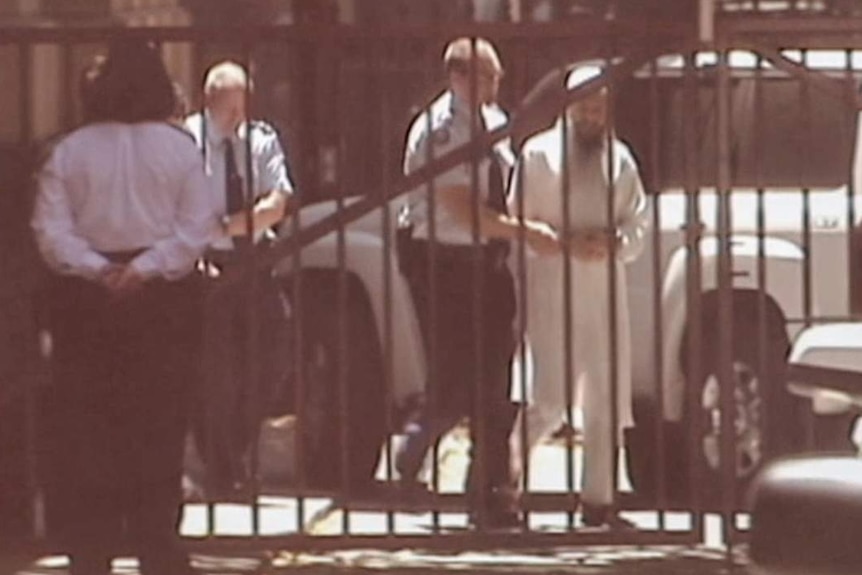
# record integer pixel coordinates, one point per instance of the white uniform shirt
(443, 127)
(269, 167)
(112, 187)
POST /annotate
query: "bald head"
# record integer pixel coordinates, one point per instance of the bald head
(473, 64)
(225, 89)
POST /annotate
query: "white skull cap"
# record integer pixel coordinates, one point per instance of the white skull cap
(581, 75)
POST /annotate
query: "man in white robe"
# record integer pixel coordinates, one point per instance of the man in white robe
(582, 135)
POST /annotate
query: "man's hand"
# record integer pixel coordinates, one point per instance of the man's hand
(121, 281)
(589, 246)
(543, 239)
(109, 275)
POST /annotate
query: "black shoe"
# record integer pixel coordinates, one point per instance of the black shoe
(604, 516)
(496, 519)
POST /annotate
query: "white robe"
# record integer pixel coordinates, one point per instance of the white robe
(540, 181)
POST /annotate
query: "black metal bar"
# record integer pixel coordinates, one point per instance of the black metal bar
(522, 269)
(432, 380)
(807, 263)
(388, 339)
(297, 302)
(328, 34)
(725, 300)
(253, 343)
(657, 269)
(342, 286)
(694, 309)
(853, 275)
(35, 365)
(614, 287)
(763, 342)
(479, 465)
(568, 381)
(481, 540)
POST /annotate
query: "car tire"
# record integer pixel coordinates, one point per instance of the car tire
(763, 425)
(334, 435)
(765, 420)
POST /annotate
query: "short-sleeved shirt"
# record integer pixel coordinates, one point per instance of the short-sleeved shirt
(269, 166)
(443, 127)
(115, 187)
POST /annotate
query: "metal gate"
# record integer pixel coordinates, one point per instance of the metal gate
(752, 213)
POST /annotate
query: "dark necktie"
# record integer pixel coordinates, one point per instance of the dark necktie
(496, 185)
(234, 195)
(496, 199)
(233, 182)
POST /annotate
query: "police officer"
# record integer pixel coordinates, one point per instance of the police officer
(121, 216)
(225, 137)
(469, 105)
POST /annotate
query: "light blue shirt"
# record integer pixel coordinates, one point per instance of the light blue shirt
(443, 127)
(268, 166)
(112, 187)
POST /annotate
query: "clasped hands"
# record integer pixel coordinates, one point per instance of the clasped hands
(120, 280)
(583, 245)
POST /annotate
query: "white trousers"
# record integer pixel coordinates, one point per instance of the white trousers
(590, 376)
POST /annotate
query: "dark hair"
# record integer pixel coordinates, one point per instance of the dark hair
(181, 102)
(129, 85)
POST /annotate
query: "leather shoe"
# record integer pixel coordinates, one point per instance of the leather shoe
(604, 516)
(496, 519)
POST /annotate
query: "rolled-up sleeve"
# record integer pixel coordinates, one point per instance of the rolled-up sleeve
(195, 226)
(272, 168)
(62, 247)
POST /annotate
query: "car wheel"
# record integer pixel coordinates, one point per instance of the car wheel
(765, 422)
(334, 434)
(760, 411)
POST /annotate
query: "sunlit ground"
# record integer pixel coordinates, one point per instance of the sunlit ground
(281, 516)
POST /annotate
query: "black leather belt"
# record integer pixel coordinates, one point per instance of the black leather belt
(122, 256)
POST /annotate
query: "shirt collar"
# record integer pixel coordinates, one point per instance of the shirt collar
(459, 107)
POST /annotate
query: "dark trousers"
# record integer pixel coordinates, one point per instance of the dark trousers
(231, 406)
(115, 421)
(470, 373)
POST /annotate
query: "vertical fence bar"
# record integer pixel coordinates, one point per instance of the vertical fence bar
(568, 381)
(694, 318)
(388, 338)
(342, 293)
(852, 243)
(433, 323)
(762, 319)
(853, 273)
(807, 264)
(35, 371)
(478, 500)
(521, 270)
(613, 276)
(252, 365)
(656, 267)
(298, 314)
(725, 300)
